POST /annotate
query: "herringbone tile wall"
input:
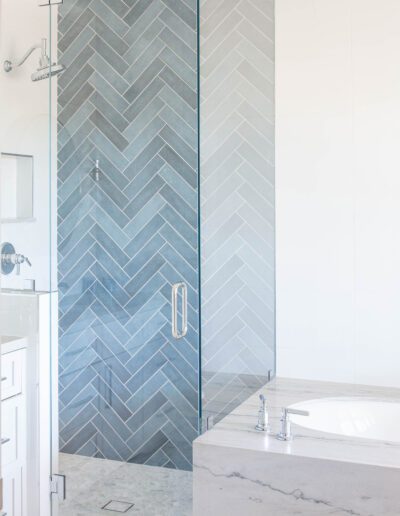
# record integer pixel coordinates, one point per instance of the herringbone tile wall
(237, 200)
(128, 98)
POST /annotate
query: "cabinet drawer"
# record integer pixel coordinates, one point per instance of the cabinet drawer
(11, 373)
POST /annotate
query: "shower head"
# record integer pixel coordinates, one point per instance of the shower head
(45, 69)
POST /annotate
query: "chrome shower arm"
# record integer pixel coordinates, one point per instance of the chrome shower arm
(26, 55)
(9, 65)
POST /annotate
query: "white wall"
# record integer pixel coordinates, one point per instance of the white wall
(338, 190)
(24, 129)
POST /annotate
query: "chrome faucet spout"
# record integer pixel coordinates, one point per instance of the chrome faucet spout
(286, 426)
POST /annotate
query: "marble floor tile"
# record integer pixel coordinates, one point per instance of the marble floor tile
(154, 491)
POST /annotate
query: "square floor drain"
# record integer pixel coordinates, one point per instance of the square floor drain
(117, 506)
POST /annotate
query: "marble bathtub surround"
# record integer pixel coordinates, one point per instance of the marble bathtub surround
(238, 470)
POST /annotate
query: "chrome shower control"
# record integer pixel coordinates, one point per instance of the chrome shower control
(96, 173)
(11, 259)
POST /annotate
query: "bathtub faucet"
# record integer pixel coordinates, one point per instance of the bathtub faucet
(286, 427)
(262, 424)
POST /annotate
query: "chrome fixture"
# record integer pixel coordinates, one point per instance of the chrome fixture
(286, 427)
(45, 70)
(175, 291)
(11, 259)
(58, 485)
(96, 173)
(262, 424)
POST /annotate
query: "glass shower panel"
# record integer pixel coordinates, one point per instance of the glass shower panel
(127, 231)
(26, 248)
(237, 201)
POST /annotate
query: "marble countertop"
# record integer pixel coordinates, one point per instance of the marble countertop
(29, 293)
(9, 344)
(237, 429)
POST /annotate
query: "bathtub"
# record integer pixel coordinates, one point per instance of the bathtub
(344, 458)
(354, 417)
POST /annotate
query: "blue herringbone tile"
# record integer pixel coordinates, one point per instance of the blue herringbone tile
(140, 178)
(180, 205)
(85, 433)
(152, 227)
(111, 436)
(141, 257)
(128, 99)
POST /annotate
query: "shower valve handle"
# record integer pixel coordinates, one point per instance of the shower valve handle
(20, 258)
(17, 259)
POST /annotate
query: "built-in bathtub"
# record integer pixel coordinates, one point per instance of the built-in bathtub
(344, 458)
(350, 416)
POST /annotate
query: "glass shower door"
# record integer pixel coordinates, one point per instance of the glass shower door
(127, 235)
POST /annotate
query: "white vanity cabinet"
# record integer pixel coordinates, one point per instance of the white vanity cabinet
(29, 401)
(13, 431)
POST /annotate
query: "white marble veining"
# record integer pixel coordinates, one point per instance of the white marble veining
(238, 470)
(154, 491)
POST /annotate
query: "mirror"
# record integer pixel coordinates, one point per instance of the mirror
(16, 187)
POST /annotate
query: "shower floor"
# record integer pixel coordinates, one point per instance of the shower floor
(93, 483)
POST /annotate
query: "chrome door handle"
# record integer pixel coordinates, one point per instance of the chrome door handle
(4, 440)
(174, 302)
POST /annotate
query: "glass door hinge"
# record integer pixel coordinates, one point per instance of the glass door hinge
(58, 486)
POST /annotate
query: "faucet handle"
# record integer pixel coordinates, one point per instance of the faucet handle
(262, 423)
(20, 258)
(295, 412)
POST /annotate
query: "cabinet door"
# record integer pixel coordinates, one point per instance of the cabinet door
(13, 454)
(12, 490)
(11, 373)
(10, 418)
